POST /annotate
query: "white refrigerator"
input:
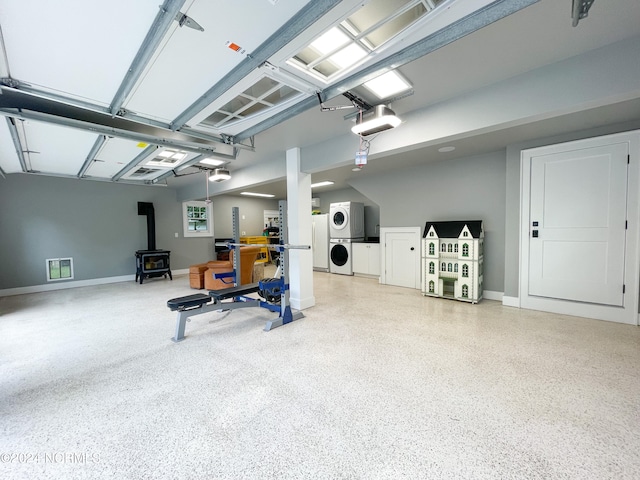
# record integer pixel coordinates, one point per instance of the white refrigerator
(320, 245)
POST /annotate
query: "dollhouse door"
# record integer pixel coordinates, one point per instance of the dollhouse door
(577, 224)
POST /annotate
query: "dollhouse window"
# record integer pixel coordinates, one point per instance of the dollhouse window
(443, 267)
(431, 234)
(432, 249)
(432, 268)
(455, 248)
(450, 267)
(465, 291)
(465, 250)
(465, 270)
(450, 248)
(431, 286)
(455, 267)
(465, 234)
(444, 247)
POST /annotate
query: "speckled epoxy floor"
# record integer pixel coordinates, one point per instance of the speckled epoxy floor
(375, 382)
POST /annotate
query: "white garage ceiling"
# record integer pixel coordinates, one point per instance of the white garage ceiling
(116, 85)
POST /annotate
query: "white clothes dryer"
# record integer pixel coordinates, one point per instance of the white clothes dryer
(346, 220)
(340, 256)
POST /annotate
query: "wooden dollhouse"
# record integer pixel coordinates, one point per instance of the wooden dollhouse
(453, 260)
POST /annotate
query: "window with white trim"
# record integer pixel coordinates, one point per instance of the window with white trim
(197, 219)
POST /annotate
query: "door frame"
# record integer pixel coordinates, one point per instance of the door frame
(384, 231)
(629, 312)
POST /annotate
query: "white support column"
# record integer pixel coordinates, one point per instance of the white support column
(300, 233)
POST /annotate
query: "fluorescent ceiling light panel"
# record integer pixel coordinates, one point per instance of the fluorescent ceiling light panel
(321, 184)
(253, 194)
(387, 85)
(212, 161)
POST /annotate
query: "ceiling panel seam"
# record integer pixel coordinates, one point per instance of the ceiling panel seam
(165, 17)
(92, 154)
(13, 131)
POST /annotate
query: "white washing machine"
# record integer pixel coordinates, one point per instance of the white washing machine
(340, 256)
(346, 220)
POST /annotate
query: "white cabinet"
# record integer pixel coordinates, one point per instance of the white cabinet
(366, 258)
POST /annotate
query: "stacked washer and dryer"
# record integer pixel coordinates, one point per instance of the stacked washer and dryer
(346, 226)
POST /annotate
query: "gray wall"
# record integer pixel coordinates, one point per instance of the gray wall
(97, 224)
(470, 188)
(251, 209)
(371, 210)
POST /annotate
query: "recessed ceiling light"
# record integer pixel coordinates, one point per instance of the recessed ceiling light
(387, 85)
(253, 194)
(212, 161)
(321, 184)
(450, 148)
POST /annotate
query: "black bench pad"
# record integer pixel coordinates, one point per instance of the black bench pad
(190, 301)
(231, 292)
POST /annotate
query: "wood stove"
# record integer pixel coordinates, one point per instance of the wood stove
(151, 262)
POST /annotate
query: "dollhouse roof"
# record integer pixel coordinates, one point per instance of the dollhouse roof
(452, 229)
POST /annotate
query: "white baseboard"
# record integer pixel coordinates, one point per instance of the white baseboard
(302, 304)
(511, 301)
(75, 284)
(491, 295)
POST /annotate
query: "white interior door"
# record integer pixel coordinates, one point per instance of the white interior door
(577, 224)
(585, 256)
(401, 257)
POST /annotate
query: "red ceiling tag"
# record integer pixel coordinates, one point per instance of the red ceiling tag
(235, 47)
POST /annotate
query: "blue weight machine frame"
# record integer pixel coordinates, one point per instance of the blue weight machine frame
(218, 300)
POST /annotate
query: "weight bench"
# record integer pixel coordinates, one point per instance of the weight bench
(199, 303)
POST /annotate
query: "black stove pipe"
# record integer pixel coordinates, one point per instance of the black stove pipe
(146, 208)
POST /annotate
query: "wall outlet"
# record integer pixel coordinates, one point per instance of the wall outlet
(244, 233)
(176, 234)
